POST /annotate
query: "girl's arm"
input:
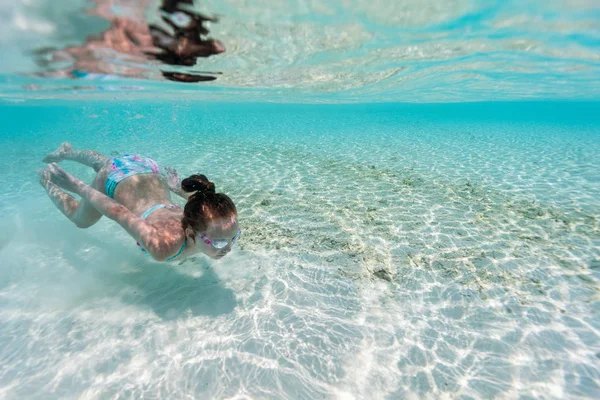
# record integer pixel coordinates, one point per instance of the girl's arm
(144, 233)
(174, 183)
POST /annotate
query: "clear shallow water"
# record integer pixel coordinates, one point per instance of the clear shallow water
(388, 251)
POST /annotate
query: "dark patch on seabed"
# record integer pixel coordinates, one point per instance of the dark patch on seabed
(492, 229)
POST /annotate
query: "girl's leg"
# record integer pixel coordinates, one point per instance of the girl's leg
(86, 157)
(81, 213)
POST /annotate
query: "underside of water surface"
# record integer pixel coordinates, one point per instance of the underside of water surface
(304, 50)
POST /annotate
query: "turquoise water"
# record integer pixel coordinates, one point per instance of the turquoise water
(388, 251)
(418, 187)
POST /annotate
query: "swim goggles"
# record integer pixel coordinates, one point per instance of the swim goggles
(220, 244)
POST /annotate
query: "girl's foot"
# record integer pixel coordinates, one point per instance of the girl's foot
(59, 154)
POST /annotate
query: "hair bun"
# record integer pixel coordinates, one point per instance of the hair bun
(198, 183)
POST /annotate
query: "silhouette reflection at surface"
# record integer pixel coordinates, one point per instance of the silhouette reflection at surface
(132, 48)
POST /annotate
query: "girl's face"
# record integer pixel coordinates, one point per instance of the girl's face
(219, 238)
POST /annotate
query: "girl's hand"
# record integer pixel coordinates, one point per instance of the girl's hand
(63, 179)
(173, 179)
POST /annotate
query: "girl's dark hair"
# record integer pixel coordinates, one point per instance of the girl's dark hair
(205, 204)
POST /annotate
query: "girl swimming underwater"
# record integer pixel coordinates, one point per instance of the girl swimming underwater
(134, 191)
